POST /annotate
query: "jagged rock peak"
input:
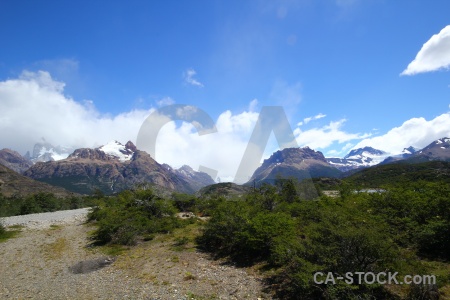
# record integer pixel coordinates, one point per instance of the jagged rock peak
(92, 154)
(443, 140)
(130, 146)
(13, 160)
(366, 151)
(44, 151)
(409, 150)
(290, 155)
(119, 151)
(186, 168)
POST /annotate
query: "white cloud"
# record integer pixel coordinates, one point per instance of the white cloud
(309, 119)
(339, 153)
(34, 106)
(323, 137)
(253, 104)
(189, 78)
(165, 101)
(434, 55)
(416, 132)
(347, 146)
(221, 151)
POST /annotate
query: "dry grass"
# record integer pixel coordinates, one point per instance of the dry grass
(55, 249)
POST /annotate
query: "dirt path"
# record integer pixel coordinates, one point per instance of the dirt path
(35, 265)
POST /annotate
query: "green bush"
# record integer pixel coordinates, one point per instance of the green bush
(132, 215)
(41, 202)
(418, 215)
(2, 229)
(358, 232)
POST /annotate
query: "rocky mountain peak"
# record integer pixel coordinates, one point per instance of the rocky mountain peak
(44, 151)
(297, 163)
(437, 150)
(408, 151)
(366, 151)
(14, 160)
(91, 154)
(116, 150)
(358, 158)
(294, 155)
(186, 168)
(443, 142)
(114, 167)
(130, 146)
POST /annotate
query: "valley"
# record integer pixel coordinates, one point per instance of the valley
(148, 230)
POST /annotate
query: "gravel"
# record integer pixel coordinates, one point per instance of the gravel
(56, 262)
(44, 220)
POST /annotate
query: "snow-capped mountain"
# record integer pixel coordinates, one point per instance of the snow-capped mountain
(409, 151)
(406, 153)
(114, 167)
(117, 150)
(437, 150)
(44, 151)
(358, 158)
(368, 156)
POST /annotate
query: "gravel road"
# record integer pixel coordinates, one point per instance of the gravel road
(44, 220)
(44, 262)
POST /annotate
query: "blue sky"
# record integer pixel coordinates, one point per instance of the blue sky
(337, 60)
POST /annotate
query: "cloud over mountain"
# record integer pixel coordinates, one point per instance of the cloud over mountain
(416, 132)
(34, 106)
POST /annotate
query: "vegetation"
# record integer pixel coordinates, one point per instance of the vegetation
(40, 202)
(6, 234)
(132, 216)
(401, 173)
(292, 230)
(357, 232)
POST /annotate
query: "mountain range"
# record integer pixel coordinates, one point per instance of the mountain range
(358, 158)
(114, 166)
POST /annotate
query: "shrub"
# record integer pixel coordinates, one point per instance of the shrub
(132, 215)
(2, 229)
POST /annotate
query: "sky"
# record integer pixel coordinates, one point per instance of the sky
(347, 73)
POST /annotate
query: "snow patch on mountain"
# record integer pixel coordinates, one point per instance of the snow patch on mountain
(45, 151)
(442, 141)
(52, 153)
(409, 151)
(367, 155)
(117, 150)
(358, 158)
